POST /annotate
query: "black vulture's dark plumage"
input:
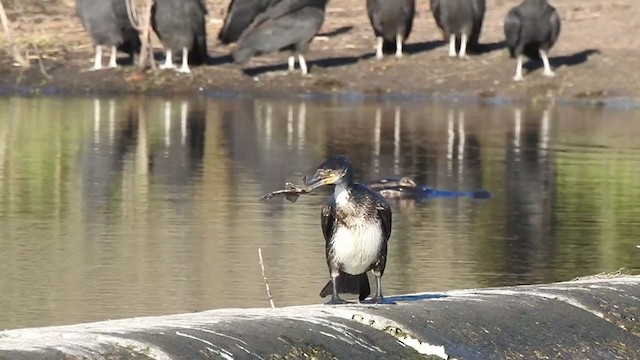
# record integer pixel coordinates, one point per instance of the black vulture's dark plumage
(289, 25)
(391, 21)
(531, 29)
(459, 19)
(108, 24)
(240, 15)
(180, 25)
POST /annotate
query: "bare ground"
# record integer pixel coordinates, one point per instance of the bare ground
(596, 58)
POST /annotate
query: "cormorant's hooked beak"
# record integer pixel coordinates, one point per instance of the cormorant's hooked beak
(320, 179)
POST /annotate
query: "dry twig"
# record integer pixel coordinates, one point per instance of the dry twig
(266, 282)
(8, 34)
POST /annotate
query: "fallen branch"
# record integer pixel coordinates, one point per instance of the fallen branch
(266, 282)
(144, 31)
(41, 67)
(8, 34)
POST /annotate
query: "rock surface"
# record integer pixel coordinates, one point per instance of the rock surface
(593, 318)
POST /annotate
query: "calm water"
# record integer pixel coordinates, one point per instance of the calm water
(122, 207)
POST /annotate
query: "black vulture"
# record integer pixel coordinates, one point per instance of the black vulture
(239, 16)
(531, 29)
(108, 24)
(391, 21)
(180, 25)
(289, 25)
(459, 19)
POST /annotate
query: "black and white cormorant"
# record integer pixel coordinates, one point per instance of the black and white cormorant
(180, 25)
(289, 25)
(240, 15)
(459, 19)
(391, 21)
(108, 24)
(531, 29)
(356, 223)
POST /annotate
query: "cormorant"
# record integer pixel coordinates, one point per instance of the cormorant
(391, 21)
(406, 188)
(239, 16)
(108, 24)
(395, 188)
(459, 19)
(289, 25)
(356, 224)
(180, 25)
(531, 28)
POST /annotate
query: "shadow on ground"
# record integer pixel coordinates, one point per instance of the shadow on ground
(416, 297)
(325, 63)
(566, 60)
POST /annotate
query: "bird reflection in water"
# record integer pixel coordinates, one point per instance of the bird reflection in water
(180, 159)
(531, 185)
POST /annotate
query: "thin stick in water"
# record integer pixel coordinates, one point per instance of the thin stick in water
(266, 282)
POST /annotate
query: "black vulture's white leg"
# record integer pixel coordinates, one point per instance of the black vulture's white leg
(398, 46)
(463, 46)
(97, 61)
(452, 45)
(379, 44)
(112, 59)
(303, 64)
(292, 62)
(518, 75)
(168, 60)
(184, 68)
(547, 67)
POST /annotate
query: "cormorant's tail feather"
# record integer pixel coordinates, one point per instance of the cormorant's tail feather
(198, 54)
(349, 284)
(531, 52)
(388, 47)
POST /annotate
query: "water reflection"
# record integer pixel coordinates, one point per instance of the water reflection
(529, 232)
(135, 206)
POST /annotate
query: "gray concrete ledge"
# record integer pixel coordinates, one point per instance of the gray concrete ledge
(596, 318)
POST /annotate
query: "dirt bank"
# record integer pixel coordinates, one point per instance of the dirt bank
(595, 58)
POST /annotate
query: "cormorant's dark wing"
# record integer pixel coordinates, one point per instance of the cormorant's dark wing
(279, 9)
(328, 220)
(240, 15)
(196, 11)
(512, 30)
(435, 10)
(373, 8)
(555, 25)
(409, 9)
(285, 24)
(80, 12)
(479, 7)
(130, 38)
(384, 212)
(409, 14)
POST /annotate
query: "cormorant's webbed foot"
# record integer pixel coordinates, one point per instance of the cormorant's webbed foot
(336, 301)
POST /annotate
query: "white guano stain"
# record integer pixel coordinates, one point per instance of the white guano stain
(396, 330)
(424, 348)
(328, 335)
(218, 350)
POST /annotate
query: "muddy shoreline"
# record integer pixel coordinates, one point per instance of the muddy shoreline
(596, 62)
